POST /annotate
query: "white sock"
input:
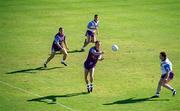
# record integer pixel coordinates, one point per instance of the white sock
(157, 94)
(88, 85)
(62, 61)
(91, 85)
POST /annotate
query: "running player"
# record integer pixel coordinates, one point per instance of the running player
(94, 55)
(57, 45)
(92, 28)
(167, 75)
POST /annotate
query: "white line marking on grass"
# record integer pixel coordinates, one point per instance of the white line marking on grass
(37, 95)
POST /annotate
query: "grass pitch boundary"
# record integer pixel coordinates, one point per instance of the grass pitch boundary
(34, 94)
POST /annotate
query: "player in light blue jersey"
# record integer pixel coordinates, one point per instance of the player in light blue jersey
(58, 45)
(167, 75)
(92, 30)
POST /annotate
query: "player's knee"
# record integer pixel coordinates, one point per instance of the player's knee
(165, 81)
(163, 84)
(66, 54)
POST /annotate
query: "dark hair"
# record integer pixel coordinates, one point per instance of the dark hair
(95, 15)
(60, 28)
(97, 42)
(163, 54)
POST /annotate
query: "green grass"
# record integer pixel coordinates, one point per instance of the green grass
(123, 80)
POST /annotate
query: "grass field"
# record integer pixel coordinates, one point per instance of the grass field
(123, 81)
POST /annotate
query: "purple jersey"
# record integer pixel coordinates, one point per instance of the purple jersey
(92, 58)
(58, 40)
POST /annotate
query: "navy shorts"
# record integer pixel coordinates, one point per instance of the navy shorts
(89, 34)
(171, 75)
(55, 48)
(88, 66)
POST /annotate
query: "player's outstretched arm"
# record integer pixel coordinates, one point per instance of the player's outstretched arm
(65, 43)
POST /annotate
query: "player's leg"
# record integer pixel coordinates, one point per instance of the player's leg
(159, 87)
(91, 79)
(88, 34)
(166, 85)
(86, 75)
(86, 42)
(93, 39)
(49, 58)
(86, 71)
(65, 54)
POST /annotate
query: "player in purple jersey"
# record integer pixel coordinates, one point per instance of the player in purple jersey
(167, 75)
(94, 55)
(57, 45)
(92, 28)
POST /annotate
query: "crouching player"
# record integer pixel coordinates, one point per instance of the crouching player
(94, 55)
(57, 45)
(167, 75)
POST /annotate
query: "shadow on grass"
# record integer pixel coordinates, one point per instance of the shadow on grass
(32, 70)
(74, 51)
(52, 98)
(134, 100)
(71, 51)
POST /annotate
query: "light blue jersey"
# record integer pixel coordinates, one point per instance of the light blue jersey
(166, 66)
(92, 26)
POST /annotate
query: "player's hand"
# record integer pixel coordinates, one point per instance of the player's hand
(101, 59)
(64, 50)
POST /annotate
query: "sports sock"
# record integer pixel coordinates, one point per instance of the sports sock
(91, 85)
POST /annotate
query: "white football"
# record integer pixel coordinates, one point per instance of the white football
(115, 47)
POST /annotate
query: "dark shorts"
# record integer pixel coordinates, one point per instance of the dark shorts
(89, 34)
(171, 75)
(55, 48)
(87, 66)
